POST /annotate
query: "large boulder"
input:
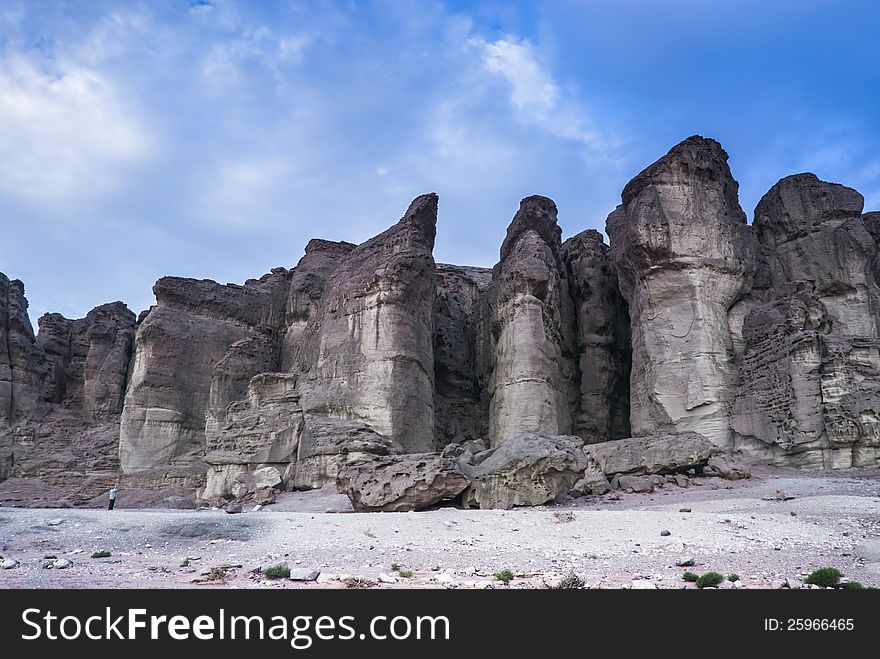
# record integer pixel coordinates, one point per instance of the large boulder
(527, 470)
(401, 483)
(657, 454)
(684, 254)
(532, 385)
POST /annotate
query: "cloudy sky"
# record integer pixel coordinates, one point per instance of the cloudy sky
(214, 138)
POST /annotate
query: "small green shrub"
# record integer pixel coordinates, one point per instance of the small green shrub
(733, 577)
(570, 581)
(406, 574)
(690, 577)
(710, 580)
(277, 572)
(826, 577)
(854, 585)
(184, 562)
(395, 567)
(505, 576)
(101, 554)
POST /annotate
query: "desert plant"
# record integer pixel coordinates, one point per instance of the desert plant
(277, 572)
(570, 581)
(406, 574)
(505, 576)
(184, 562)
(826, 577)
(101, 554)
(710, 580)
(395, 567)
(854, 585)
(690, 577)
(733, 577)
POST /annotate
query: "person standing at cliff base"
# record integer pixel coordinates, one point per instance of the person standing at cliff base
(113, 492)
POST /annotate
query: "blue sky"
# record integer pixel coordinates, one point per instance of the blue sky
(213, 139)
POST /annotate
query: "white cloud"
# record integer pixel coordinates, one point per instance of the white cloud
(535, 94)
(63, 135)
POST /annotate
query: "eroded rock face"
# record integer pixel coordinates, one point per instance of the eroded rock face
(656, 454)
(61, 396)
(460, 354)
(177, 347)
(527, 470)
(307, 282)
(401, 483)
(20, 386)
(88, 359)
(810, 384)
(684, 255)
(532, 385)
(367, 354)
(601, 341)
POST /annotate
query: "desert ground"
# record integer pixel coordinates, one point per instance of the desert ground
(618, 540)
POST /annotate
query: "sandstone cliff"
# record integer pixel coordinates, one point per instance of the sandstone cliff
(370, 362)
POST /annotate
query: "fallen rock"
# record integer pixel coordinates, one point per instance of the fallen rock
(728, 468)
(386, 578)
(592, 482)
(9, 564)
(233, 508)
(400, 483)
(686, 562)
(656, 454)
(642, 584)
(527, 470)
(304, 574)
(62, 563)
(636, 483)
(665, 533)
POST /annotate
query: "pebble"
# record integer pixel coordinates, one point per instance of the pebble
(686, 562)
(55, 522)
(665, 533)
(62, 563)
(304, 574)
(684, 510)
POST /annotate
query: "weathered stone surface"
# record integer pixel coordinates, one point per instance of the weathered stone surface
(602, 342)
(532, 385)
(592, 482)
(527, 470)
(809, 391)
(307, 282)
(728, 468)
(88, 359)
(460, 353)
(177, 347)
(684, 255)
(367, 354)
(639, 484)
(327, 444)
(658, 454)
(402, 482)
(20, 381)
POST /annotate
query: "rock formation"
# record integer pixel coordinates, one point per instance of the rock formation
(810, 382)
(531, 388)
(684, 254)
(692, 337)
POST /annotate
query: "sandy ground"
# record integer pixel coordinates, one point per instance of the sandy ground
(833, 519)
